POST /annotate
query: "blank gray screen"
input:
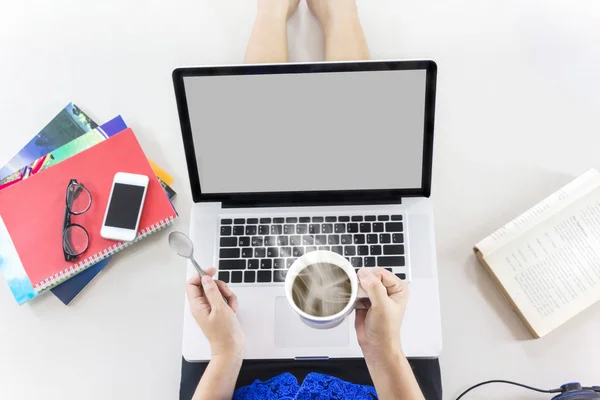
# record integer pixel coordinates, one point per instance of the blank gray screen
(303, 132)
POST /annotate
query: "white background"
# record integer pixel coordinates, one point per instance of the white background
(517, 117)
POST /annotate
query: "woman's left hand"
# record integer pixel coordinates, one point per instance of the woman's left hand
(216, 317)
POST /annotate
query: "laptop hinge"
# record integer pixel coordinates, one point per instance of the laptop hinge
(266, 204)
(319, 358)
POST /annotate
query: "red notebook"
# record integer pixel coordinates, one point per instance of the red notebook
(32, 213)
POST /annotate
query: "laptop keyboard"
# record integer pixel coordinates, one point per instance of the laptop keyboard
(261, 250)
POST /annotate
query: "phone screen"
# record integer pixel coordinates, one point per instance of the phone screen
(124, 206)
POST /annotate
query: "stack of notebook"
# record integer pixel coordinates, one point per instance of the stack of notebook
(32, 196)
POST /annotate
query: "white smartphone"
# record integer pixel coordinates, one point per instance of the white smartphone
(124, 207)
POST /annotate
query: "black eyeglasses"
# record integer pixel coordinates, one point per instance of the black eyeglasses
(75, 238)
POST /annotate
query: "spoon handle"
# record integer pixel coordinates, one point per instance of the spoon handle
(195, 264)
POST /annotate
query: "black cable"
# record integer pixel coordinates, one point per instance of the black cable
(510, 383)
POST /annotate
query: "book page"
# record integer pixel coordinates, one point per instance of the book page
(553, 272)
(548, 207)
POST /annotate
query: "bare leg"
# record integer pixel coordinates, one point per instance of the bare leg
(268, 41)
(344, 37)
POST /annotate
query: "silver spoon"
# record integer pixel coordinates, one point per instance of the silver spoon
(182, 245)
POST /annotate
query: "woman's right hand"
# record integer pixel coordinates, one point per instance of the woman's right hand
(378, 326)
(216, 317)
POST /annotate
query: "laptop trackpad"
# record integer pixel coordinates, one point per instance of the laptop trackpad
(290, 331)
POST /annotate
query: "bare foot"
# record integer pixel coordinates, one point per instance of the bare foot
(278, 7)
(328, 10)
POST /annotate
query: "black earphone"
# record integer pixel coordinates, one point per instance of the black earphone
(568, 391)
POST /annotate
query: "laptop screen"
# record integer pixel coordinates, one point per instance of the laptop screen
(308, 131)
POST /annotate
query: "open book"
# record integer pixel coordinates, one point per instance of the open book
(546, 262)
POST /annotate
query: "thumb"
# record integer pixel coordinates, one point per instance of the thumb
(213, 294)
(373, 286)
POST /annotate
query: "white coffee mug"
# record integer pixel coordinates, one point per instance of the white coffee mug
(323, 256)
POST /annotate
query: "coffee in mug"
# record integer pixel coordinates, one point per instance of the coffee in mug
(322, 289)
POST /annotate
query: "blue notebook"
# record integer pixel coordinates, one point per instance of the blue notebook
(67, 291)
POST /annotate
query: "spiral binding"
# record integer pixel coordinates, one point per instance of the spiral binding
(78, 267)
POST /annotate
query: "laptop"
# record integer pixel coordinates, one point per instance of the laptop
(285, 159)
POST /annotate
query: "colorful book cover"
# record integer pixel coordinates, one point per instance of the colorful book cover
(67, 150)
(67, 291)
(70, 289)
(69, 124)
(20, 285)
(80, 144)
(30, 273)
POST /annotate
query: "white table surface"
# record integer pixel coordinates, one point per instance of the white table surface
(517, 117)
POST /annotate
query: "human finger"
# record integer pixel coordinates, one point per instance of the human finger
(396, 287)
(232, 299)
(392, 283)
(193, 287)
(212, 292)
(373, 286)
(196, 279)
